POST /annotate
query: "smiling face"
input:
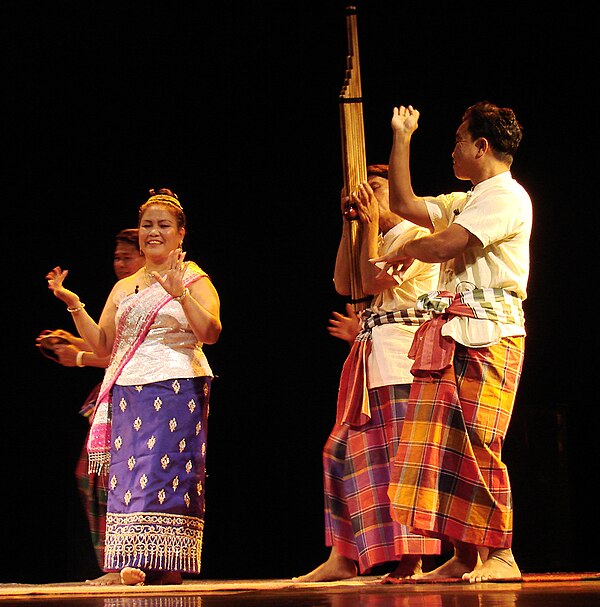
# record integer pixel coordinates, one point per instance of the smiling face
(159, 232)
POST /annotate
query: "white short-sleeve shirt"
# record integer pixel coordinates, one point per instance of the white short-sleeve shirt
(388, 363)
(498, 211)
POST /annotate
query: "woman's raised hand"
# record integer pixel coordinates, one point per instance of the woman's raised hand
(172, 282)
(55, 279)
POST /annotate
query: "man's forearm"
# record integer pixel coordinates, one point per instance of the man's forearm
(439, 247)
(401, 191)
(403, 200)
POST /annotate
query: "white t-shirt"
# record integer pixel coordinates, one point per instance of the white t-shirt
(388, 363)
(498, 211)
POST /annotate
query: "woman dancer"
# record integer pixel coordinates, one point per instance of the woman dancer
(149, 427)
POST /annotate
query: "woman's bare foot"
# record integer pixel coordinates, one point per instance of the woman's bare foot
(499, 565)
(108, 579)
(131, 576)
(335, 568)
(410, 565)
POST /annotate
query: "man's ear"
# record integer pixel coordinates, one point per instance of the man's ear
(482, 145)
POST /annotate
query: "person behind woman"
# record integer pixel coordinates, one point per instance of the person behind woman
(149, 428)
(72, 351)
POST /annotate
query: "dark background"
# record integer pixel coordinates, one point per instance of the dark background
(235, 107)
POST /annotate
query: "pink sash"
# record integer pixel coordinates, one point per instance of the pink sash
(153, 299)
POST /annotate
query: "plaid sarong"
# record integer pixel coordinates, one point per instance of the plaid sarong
(357, 466)
(448, 479)
(93, 492)
(92, 487)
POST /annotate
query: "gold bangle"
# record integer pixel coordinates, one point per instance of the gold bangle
(79, 358)
(77, 309)
(181, 297)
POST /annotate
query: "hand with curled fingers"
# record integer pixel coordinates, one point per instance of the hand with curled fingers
(55, 279)
(405, 120)
(395, 263)
(344, 327)
(60, 335)
(366, 204)
(67, 354)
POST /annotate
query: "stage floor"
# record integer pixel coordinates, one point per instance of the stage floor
(535, 590)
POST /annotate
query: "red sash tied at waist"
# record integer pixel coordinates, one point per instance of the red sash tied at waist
(353, 397)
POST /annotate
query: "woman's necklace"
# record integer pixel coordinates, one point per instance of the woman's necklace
(148, 278)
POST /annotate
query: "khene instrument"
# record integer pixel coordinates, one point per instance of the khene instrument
(354, 162)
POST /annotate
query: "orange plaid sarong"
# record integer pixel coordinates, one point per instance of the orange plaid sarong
(448, 480)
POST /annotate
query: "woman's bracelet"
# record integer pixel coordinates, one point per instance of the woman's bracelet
(79, 358)
(181, 297)
(77, 309)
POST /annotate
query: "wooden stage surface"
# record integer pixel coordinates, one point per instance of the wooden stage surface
(535, 590)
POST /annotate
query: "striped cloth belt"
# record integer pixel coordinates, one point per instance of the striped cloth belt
(433, 352)
(353, 398)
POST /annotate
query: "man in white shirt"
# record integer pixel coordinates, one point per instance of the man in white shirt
(372, 399)
(448, 479)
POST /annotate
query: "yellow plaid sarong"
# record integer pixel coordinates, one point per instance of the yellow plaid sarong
(448, 480)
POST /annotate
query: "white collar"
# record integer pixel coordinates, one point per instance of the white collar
(505, 176)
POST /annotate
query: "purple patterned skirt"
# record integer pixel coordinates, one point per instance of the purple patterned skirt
(155, 517)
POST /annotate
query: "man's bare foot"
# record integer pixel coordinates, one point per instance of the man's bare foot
(410, 565)
(466, 559)
(108, 579)
(131, 576)
(499, 565)
(453, 568)
(335, 568)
